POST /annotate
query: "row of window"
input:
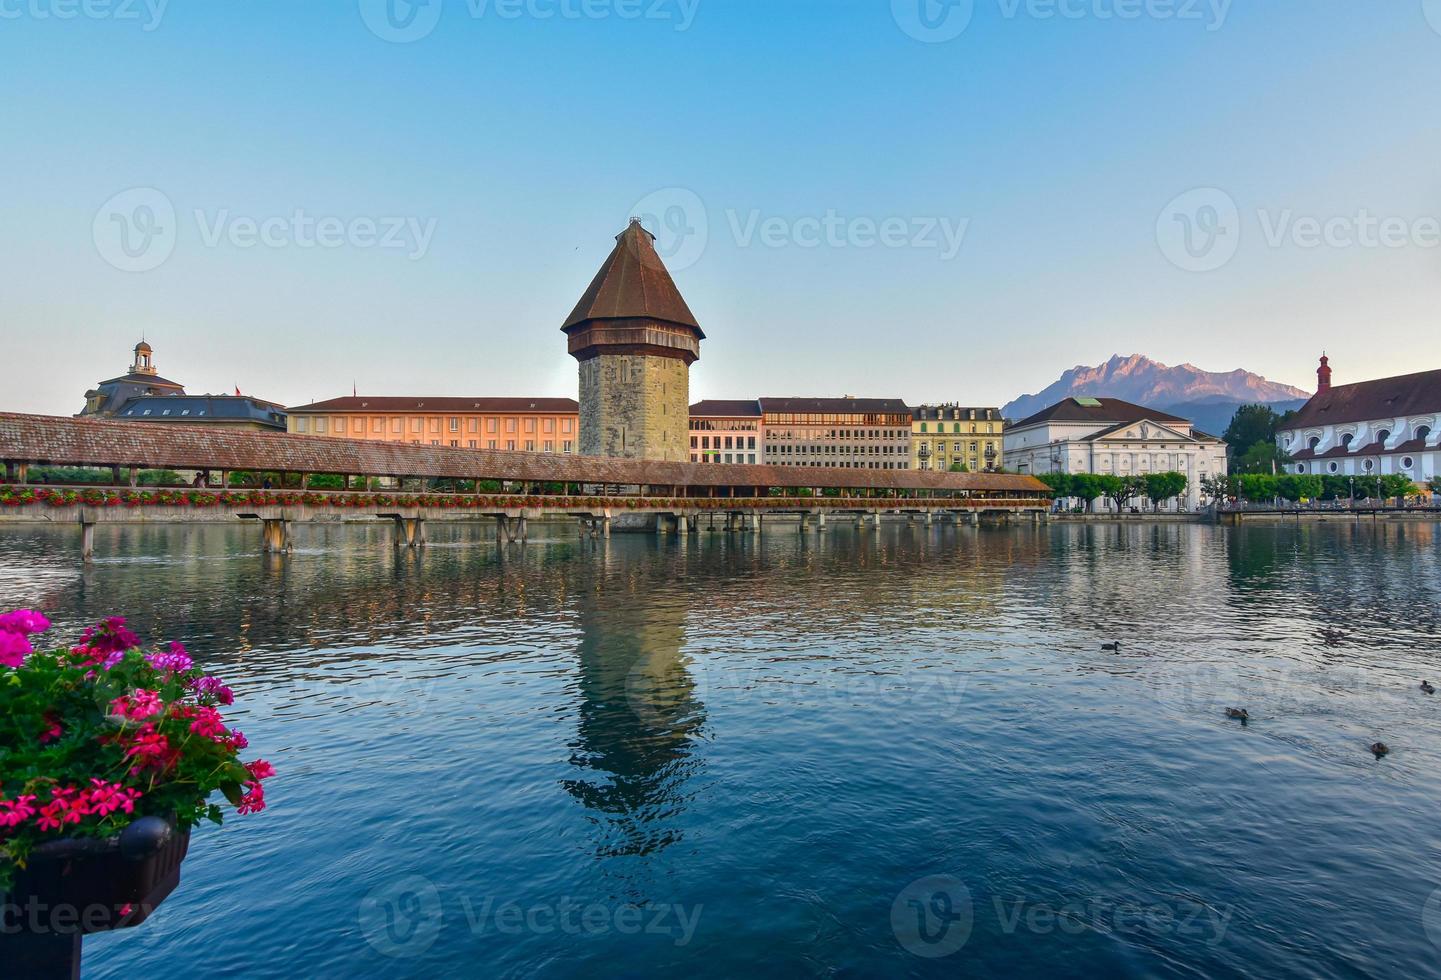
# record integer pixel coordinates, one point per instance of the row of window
(787, 449)
(731, 442)
(395, 425)
(714, 457)
(955, 428)
(1368, 465)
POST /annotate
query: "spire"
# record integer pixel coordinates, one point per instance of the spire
(633, 284)
(1323, 374)
(143, 362)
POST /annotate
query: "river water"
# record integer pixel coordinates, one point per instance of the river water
(890, 753)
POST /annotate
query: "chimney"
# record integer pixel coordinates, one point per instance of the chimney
(1323, 375)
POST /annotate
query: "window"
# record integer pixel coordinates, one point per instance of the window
(1407, 463)
(1333, 467)
(302, 425)
(397, 426)
(416, 425)
(549, 425)
(455, 444)
(1370, 464)
(1346, 440)
(454, 424)
(1312, 443)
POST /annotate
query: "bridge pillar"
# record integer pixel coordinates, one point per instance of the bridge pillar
(87, 541)
(821, 522)
(410, 532)
(929, 518)
(605, 527)
(276, 536)
(682, 526)
(522, 530)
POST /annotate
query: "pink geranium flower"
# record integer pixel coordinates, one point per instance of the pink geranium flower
(14, 648)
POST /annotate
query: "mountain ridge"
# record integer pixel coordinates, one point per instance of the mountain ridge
(1139, 379)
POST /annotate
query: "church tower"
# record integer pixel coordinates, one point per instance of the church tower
(635, 339)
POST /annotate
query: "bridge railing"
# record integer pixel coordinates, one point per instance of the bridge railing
(23, 496)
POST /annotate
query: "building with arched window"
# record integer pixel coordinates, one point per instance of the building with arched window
(1368, 429)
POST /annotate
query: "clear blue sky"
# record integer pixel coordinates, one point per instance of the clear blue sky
(519, 144)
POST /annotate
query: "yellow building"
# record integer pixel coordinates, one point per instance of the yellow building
(944, 437)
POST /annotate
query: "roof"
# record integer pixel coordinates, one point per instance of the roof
(143, 348)
(1384, 398)
(89, 442)
(201, 408)
(633, 284)
(148, 380)
(422, 403)
(728, 408)
(1105, 411)
(1195, 436)
(949, 413)
(835, 406)
(1410, 446)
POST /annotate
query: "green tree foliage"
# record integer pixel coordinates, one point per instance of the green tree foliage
(1087, 487)
(1121, 490)
(1160, 487)
(1060, 483)
(1435, 484)
(959, 467)
(1251, 439)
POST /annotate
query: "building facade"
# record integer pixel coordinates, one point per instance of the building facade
(635, 339)
(727, 432)
(534, 425)
(944, 437)
(142, 395)
(1368, 429)
(1111, 437)
(108, 397)
(838, 433)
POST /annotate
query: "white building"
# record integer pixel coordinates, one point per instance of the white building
(1111, 437)
(1372, 428)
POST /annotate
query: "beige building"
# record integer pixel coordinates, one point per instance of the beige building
(725, 431)
(531, 425)
(945, 437)
(838, 433)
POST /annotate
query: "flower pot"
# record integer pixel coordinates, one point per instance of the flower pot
(77, 886)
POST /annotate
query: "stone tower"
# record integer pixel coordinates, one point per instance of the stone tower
(635, 339)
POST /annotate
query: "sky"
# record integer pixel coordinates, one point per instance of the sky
(937, 200)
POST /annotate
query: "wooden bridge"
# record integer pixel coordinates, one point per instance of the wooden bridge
(429, 483)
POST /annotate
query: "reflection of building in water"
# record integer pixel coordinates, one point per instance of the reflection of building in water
(638, 714)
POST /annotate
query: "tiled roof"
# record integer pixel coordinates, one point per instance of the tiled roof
(201, 408)
(1385, 398)
(633, 284)
(728, 408)
(86, 442)
(1104, 411)
(151, 380)
(1372, 448)
(384, 403)
(835, 406)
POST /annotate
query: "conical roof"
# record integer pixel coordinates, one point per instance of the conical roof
(633, 284)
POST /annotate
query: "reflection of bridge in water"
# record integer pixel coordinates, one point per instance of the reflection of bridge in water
(669, 497)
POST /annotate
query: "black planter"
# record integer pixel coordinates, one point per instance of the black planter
(71, 888)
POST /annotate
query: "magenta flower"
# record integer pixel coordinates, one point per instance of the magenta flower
(213, 687)
(14, 648)
(138, 706)
(260, 769)
(109, 637)
(24, 621)
(176, 661)
(207, 724)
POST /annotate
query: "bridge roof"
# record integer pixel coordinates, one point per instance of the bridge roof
(89, 442)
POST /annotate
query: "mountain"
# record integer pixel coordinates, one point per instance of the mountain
(1213, 416)
(1212, 395)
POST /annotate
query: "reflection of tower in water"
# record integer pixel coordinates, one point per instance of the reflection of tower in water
(638, 714)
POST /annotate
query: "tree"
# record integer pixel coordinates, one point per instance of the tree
(1262, 457)
(1435, 484)
(1396, 485)
(959, 467)
(1160, 487)
(1060, 483)
(1298, 488)
(1087, 487)
(1121, 489)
